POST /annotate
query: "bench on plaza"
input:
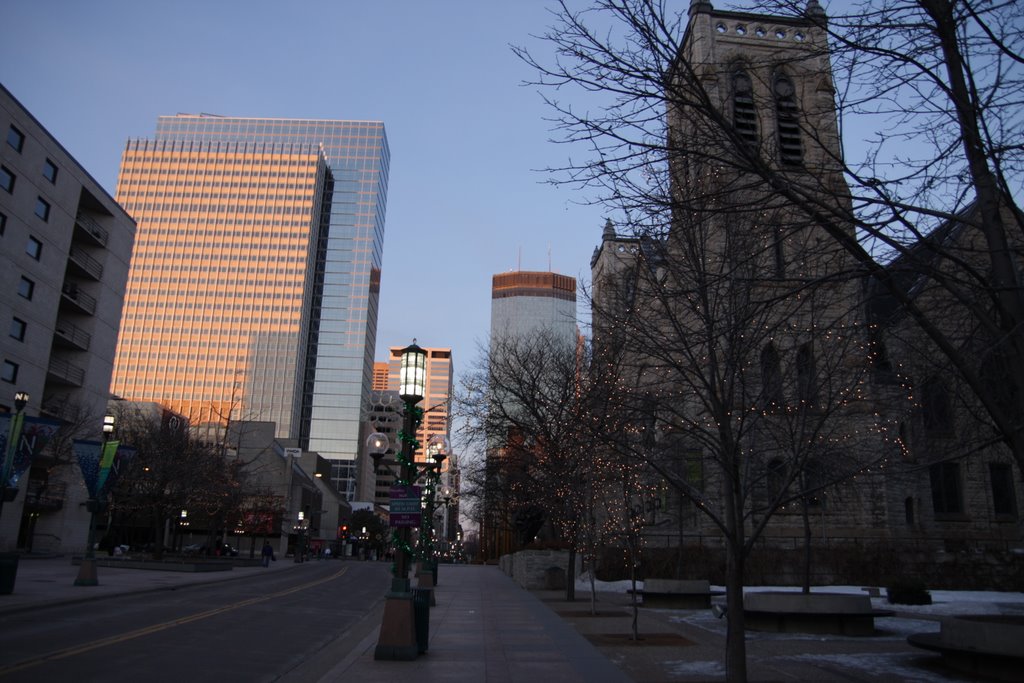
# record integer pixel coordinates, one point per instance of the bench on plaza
(985, 645)
(676, 593)
(846, 614)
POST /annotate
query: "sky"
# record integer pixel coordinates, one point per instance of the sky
(466, 196)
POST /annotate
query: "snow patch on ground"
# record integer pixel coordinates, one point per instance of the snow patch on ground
(899, 666)
(685, 668)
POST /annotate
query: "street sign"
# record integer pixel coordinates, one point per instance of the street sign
(405, 506)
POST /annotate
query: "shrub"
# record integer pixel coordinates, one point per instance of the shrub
(908, 592)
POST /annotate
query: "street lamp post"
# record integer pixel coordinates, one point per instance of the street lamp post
(87, 570)
(397, 639)
(9, 560)
(437, 451)
(14, 434)
(300, 537)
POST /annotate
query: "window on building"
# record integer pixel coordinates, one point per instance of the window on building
(3, 223)
(15, 138)
(50, 171)
(744, 114)
(806, 375)
(9, 373)
(18, 327)
(1004, 498)
(26, 288)
(947, 489)
(908, 511)
(771, 377)
(778, 247)
(938, 416)
(43, 208)
(34, 248)
(7, 179)
(776, 474)
(787, 118)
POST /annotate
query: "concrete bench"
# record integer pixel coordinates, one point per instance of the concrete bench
(986, 645)
(676, 593)
(845, 614)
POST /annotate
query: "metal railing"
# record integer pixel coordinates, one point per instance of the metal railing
(62, 370)
(73, 293)
(87, 263)
(93, 228)
(73, 335)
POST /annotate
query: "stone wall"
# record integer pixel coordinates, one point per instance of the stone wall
(528, 567)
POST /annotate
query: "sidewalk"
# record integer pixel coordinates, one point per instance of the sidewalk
(486, 628)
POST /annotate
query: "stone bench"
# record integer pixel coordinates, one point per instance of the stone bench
(986, 645)
(676, 593)
(845, 614)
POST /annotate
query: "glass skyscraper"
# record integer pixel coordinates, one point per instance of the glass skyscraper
(247, 220)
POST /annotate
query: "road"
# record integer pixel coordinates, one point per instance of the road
(281, 626)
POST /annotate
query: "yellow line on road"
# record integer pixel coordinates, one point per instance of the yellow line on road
(131, 635)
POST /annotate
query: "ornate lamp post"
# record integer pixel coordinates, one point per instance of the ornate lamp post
(96, 505)
(397, 640)
(437, 451)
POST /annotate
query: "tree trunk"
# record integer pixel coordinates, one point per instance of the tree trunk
(158, 535)
(735, 635)
(806, 515)
(570, 576)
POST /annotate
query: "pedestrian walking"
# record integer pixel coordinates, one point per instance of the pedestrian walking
(268, 554)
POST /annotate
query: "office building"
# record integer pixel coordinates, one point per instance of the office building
(525, 306)
(65, 246)
(524, 302)
(253, 293)
(381, 371)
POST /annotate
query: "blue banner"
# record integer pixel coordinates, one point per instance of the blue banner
(101, 464)
(31, 434)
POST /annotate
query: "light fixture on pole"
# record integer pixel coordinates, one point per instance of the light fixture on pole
(87, 575)
(397, 640)
(9, 561)
(437, 451)
(8, 492)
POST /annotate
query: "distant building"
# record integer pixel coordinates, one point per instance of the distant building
(381, 370)
(65, 246)
(254, 288)
(524, 304)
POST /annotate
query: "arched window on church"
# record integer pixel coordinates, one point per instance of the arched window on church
(935, 408)
(806, 376)
(771, 378)
(787, 117)
(744, 115)
(777, 476)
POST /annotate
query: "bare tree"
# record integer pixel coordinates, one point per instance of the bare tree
(526, 405)
(943, 78)
(169, 473)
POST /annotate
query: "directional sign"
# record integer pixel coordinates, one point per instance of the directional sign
(405, 506)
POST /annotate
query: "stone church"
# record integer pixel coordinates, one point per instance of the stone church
(777, 395)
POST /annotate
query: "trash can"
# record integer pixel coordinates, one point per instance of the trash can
(554, 579)
(8, 572)
(421, 616)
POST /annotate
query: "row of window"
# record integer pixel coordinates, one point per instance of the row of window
(302, 206)
(948, 490)
(16, 140)
(762, 32)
